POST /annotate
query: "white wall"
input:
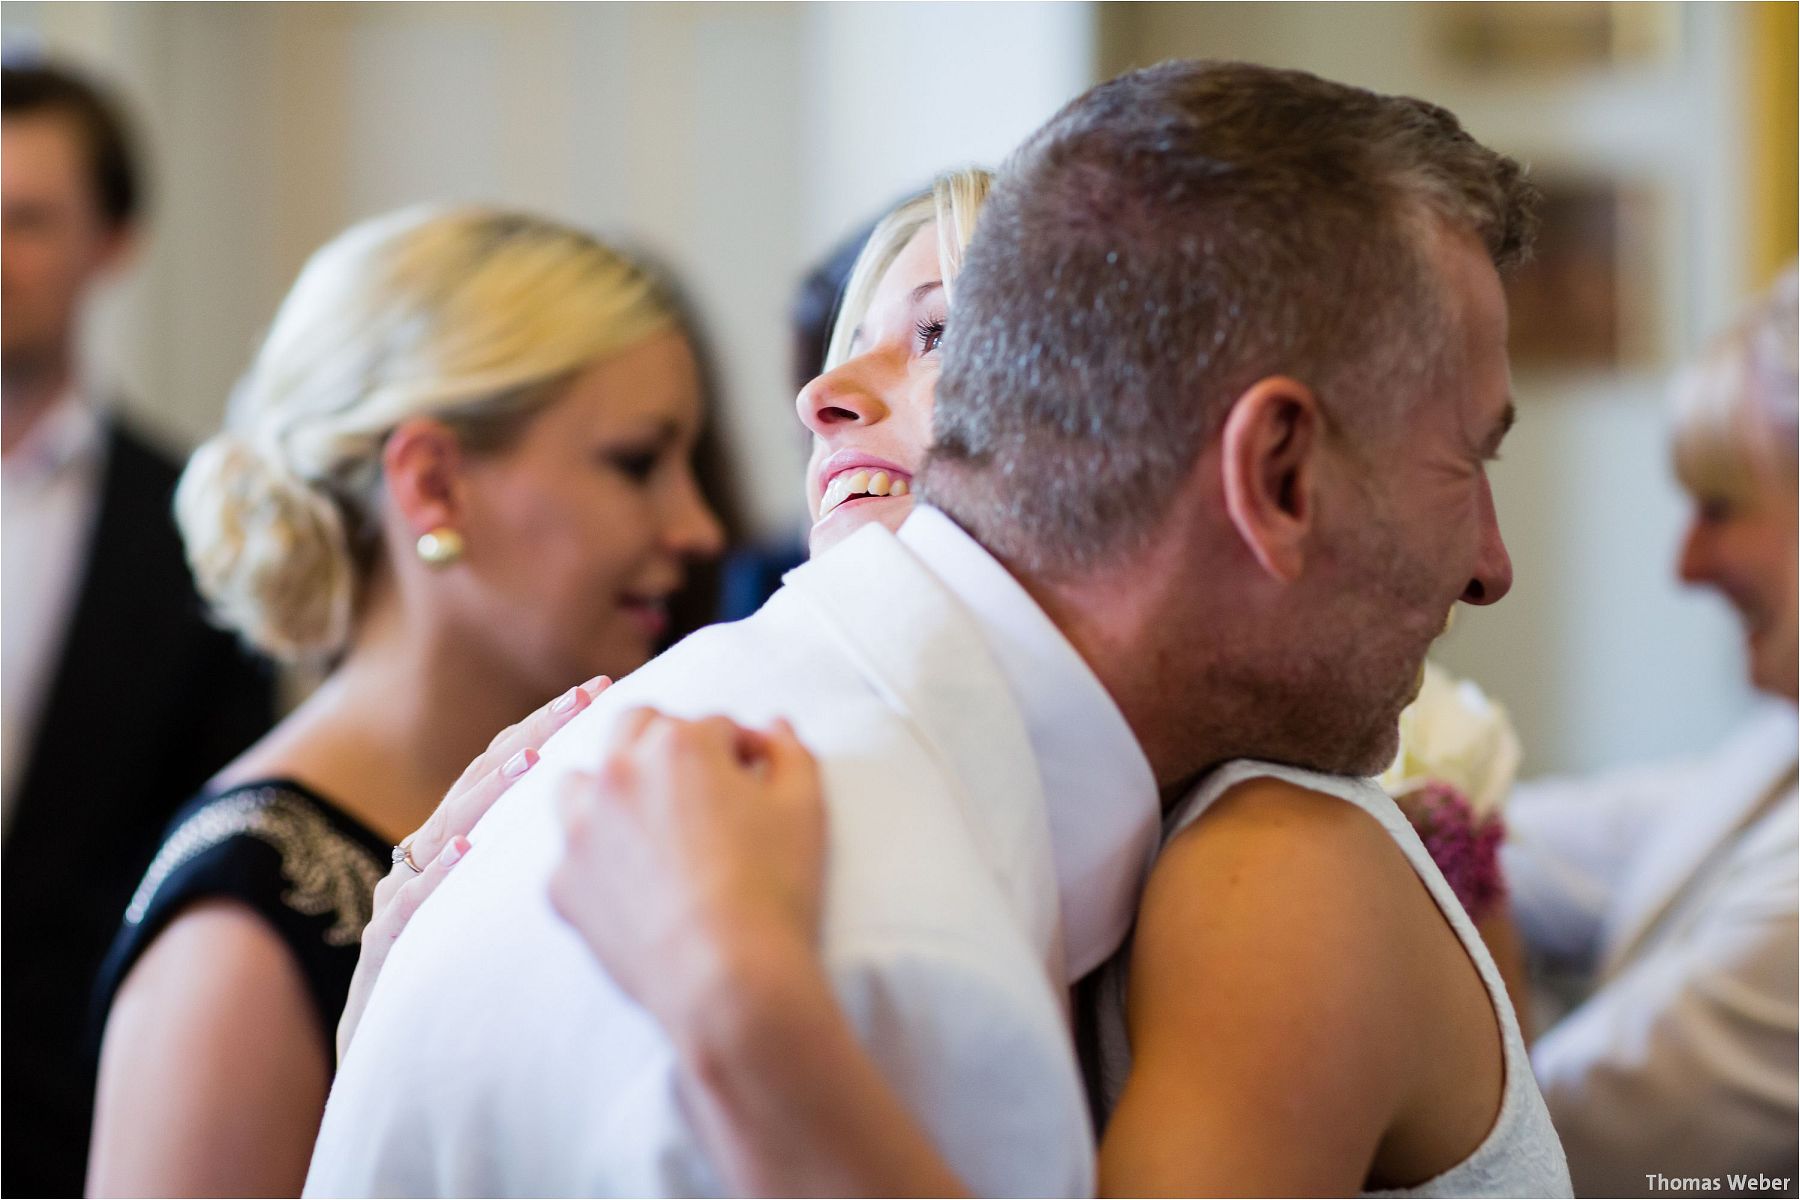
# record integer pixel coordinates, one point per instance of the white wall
(904, 90)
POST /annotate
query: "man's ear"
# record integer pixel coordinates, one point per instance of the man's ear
(1270, 447)
(421, 463)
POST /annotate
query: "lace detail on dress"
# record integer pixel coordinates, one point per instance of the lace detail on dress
(328, 873)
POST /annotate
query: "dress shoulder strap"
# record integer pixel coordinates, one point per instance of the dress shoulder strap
(1366, 794)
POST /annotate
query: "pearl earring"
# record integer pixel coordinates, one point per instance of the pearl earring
(441, 547)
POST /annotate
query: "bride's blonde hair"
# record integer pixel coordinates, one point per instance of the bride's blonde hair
(953, 201)
(476, 317)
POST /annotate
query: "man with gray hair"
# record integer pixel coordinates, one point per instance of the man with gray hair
(1217, 294)
(1227, 363)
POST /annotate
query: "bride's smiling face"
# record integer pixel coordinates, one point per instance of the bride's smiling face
(871, 415)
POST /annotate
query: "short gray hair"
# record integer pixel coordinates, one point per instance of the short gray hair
(1738, 406)
(1163, 242)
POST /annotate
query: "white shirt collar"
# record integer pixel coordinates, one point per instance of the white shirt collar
(70, 432)
(1099, 791)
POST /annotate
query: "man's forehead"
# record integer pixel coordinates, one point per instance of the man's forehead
(45, 144)
(46, 126)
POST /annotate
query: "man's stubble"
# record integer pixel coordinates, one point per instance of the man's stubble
(1325, 693)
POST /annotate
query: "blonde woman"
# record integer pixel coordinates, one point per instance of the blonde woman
(874, 400)
(457, 477)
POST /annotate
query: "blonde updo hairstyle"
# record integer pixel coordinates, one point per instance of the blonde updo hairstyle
(1737, 410)
(953, 201)
(474, 317)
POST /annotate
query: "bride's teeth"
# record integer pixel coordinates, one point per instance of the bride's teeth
(859, 483)
(835, 492)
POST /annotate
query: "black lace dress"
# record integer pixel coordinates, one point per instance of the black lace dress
(280, 849)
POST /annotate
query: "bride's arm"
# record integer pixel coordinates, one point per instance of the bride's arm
(694, 869)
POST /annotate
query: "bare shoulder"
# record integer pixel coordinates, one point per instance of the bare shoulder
(1267, 1006)
(1288, 922)
(214, 1065)
(214, 948)
(1275, 899)
(212, 987)
(1293, 976)
(1273, 855)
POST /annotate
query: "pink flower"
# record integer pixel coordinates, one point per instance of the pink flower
(1465, 847)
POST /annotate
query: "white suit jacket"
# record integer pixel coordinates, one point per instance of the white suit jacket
(497, 1058)
(1677, 887)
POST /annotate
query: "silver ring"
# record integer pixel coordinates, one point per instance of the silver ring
(403, 854)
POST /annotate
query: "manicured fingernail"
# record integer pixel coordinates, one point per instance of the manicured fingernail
(454, 851)
(565, 702)
(594, 685)
(519, 763)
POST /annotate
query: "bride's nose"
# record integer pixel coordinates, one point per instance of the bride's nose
(846, 395)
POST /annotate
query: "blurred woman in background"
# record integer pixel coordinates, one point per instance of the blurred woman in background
(457, 476)
(1672, 892)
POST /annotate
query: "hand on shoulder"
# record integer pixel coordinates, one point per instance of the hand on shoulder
(693, 857)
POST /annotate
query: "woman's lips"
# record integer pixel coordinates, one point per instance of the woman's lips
(650, 614)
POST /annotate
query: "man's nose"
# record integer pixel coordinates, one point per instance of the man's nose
(1493, 576)
(1694, 564)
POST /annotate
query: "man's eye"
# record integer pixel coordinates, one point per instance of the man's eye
(930, 334)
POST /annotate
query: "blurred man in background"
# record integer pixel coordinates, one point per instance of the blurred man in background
(98, 610)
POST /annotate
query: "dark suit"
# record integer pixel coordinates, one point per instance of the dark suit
(147, 702)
